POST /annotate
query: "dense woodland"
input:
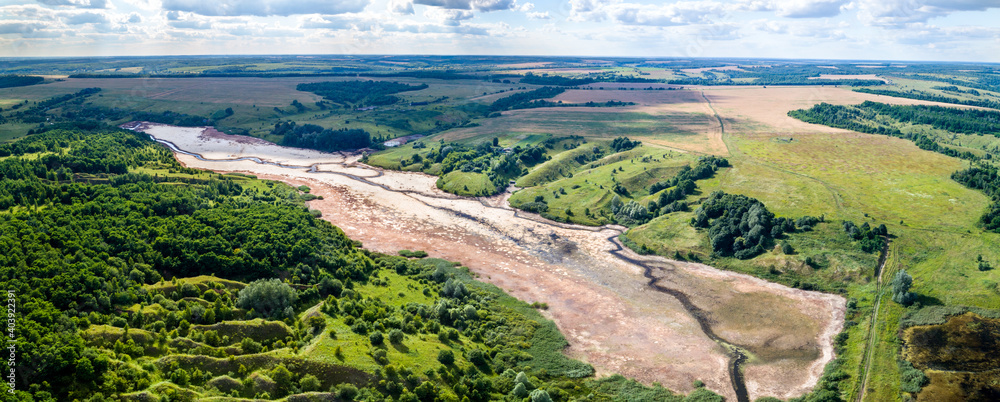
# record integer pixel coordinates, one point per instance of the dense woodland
(97, 257)
(523, 100)
(9, 81)
(556, 80)
(323, 139)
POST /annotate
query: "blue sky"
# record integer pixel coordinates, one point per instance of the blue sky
(956, 30)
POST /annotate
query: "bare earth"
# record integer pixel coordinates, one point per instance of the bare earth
(602, 303)
(759, 109)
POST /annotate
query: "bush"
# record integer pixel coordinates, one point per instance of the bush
(270, 298)
(540, 395)
(900, 288)
(329, 286)
(912, 379)
(309, 383)
(376, 338)
(347, 391)
(446, 357)
(396, 336)
(413, 254)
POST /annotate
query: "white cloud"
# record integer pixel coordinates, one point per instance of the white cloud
(538, 15)
(191, 24)
(680, 13)
(896, 13)
(478, 5)
(86, 18)
(404, 7)
(810, 8)
(449, 17)
(19, 27)
(265, 8)
(76, 3)
(450, 4)
(796, 8)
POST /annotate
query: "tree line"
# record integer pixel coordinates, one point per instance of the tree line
(9, 81)
(322, 139)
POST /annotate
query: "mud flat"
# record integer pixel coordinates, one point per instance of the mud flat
(648, 318)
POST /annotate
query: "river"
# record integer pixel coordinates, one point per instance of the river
(644, 317)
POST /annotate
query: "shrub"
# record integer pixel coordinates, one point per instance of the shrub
(900, 288)
(347, 391)
(309, 383)
(270, 298)
(376, 338)
(396, 336)
(446, 357)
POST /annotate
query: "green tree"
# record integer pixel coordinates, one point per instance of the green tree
(901, 288)
(446, 357)
(270, 298)
(309, 383)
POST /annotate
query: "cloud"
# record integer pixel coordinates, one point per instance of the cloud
(19, 27)
(76, 3)
(86, 18)
(191, 24)
(30, 11)
(478, 5)
(449, 17)
(810, 8)
(897, 13)
(449, 4)
(538, 15)
(493, 5)
(339, 22)
(404, 7)
(796, 8)
(680, 13)
(263, 8)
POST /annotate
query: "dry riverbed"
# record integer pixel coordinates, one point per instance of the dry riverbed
(598, 295)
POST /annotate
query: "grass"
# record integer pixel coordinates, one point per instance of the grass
(565, 184)
(398, 290)
(257, 329)
(466, 183)
(838, 261)
(203, 282)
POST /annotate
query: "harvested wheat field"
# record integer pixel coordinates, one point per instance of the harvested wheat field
(765, 109)
(648, 318)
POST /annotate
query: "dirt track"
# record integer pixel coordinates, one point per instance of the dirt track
(601, 302)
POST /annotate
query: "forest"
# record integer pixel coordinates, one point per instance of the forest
(322, 139)
(523, 100)
(8, 81)
(137, 286)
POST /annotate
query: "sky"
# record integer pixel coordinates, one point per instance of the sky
(944, 30)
